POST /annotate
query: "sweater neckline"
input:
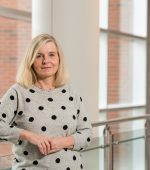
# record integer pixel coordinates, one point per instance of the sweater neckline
(48, 90)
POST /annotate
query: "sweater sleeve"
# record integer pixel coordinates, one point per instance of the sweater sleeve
(83, 134)
(8, 113)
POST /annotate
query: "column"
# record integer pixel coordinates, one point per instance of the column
(41, 17)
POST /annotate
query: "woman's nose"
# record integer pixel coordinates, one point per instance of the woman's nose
(45, 59)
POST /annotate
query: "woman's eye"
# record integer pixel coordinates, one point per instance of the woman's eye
(38, 55)
(51, 55)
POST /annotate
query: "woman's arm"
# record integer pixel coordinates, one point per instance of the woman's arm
(83, 134)
(59, 143)
(8, 108)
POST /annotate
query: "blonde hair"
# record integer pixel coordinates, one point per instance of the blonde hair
(26, 75)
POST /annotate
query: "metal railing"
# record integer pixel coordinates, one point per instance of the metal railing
(109, 141)
(120, 120)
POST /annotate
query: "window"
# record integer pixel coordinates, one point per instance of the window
(123, 53)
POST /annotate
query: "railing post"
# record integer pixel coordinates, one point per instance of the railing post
(147, 145)
(108, 150)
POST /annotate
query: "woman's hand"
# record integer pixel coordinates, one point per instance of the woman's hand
(58, 143)
(42, 142)
(47, 144)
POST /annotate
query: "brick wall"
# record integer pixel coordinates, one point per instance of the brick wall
(14, 38)
(17, 4)
(119, 52)
(113, 52)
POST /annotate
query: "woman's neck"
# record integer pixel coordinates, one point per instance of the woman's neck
(45, 84)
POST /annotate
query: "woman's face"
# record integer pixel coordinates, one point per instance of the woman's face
(46, 62)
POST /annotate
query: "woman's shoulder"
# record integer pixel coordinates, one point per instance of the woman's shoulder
(10, 92)
(73, 91)
(70, 88)
(11, 88)
(17, 87)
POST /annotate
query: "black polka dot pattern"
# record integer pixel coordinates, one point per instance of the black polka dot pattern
(81, 166)
(66, 149)
(57, 160)
(32, 91)
(16, 160)
(50, 99)
(35, 162)
(54, 117)
(74, 157)
(71, 98)
(78, 111)
(25, 153)
(20, 113)
(43, 128)
(31, 119)
(65, 127)
(12, 97)
(67, 168)
(15, 112)
(19, 142)
(63, 91)
(41, 107)
(14, 124)
(63, 107)
(3, 115)
(79, 132)
(81, 99)
(88, 139)
(74, 117)
(85, 119)
(28, 100)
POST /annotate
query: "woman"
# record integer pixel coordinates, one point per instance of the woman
(42, 115)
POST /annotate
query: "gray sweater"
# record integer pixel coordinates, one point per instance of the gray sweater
(57, 112)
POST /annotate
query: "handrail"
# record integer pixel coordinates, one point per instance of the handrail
(114, 121)
(117, 142)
